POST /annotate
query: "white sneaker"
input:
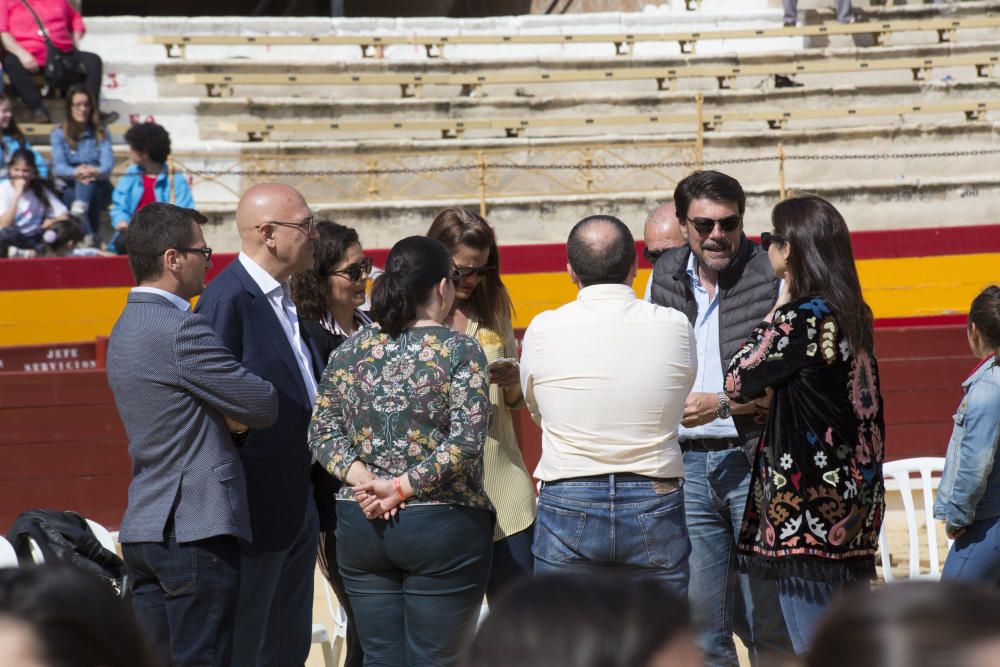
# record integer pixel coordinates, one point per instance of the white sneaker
(79, 208)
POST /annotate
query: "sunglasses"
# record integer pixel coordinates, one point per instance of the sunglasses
(455, 276)
(464, 271)
(306, 226)
(355, 272)
(706, 225)
(206, 253)
(652, 255)
(767, 238)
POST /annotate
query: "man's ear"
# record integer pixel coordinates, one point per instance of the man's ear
(572, 275)
(171, 260)
(633, 270)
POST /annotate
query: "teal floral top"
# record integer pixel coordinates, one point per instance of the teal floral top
(416, 405)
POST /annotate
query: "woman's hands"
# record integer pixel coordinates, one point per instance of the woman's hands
(383, 498)
(86, 173)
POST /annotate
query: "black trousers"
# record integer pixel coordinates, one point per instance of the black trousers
(24, 83)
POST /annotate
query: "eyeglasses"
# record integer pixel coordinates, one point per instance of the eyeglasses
(80, 105)
(706, 225)
(652, 255)
(306, 226)
(767, 238)
(455, 277)
(355, 272)
(464, 271)
(206, 253)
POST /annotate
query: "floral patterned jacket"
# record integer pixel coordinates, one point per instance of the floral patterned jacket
(416, 405)
(816, 497)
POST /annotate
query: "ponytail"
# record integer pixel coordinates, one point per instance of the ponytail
(394, 302)
(413, 269)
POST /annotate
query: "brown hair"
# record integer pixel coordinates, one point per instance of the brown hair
(490, 302)
(73, 130)
(310, 290)
(12, 129)
(985, 314)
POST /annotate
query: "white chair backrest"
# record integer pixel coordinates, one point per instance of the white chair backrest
(898, 477)
(336, 612)
(103, 535)
(8, 557)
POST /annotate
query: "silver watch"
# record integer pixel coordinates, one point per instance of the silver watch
(723, 411)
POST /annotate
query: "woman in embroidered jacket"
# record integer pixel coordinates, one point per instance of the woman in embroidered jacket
(817, 496)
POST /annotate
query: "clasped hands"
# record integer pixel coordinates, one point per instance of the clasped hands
(701, 408)
(378, 498)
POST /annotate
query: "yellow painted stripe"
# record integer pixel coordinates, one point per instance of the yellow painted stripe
(901, 287)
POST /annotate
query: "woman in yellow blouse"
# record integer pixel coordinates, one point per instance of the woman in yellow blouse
(483, 310)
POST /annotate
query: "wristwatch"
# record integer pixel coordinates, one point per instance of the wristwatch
(723, 411)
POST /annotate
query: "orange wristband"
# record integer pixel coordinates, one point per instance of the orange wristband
(396, 484)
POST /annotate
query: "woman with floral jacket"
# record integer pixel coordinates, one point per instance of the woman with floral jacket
(401, 417)
(816, 498)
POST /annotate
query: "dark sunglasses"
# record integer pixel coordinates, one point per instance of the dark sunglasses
(206, 253)
(652, 255)
(706, 225)
(767, 238)
(355, 272)
(455, 277)
(464, 271)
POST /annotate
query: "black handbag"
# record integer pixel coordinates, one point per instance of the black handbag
(62, 68)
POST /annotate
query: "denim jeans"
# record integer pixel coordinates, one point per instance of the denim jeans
(975, 555)
(184, 596)
(512, 560)
(722, 600)
(274, 619)
(623, 521)
(97, 195)
(415, 582)
(803, 603)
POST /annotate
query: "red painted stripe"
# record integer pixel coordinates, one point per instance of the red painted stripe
(56, 273)
(925, 321)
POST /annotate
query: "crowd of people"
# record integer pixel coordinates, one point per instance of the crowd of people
(711, 454)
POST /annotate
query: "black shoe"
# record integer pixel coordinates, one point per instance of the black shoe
(782, 81)
(40, 116)
(108, 117)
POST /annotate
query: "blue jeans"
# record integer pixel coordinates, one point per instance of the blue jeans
(415, 582)
(97, 195)
(722, 600)
(624, 521)
(975, 555)
(803, 602)
(274, 619)
(184, 596)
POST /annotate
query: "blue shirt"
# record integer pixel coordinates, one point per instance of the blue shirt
(970, 482)
(10, 144)
(65, 159)
(709, 377)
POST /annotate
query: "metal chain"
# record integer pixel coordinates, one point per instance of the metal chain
(627, 165)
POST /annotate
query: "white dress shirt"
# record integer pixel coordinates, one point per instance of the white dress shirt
(279, 296)
(169, 296)
(606, 377)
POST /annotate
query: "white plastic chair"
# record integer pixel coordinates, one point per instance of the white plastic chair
(339, 622)
(898, 477)
(8, 557)
(321, 636)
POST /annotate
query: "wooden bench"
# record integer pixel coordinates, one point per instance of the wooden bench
(219, 84)
(515, 127)
(44, 129)
(624, 43)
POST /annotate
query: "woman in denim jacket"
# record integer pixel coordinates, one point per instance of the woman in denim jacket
(969, 496)
(82, 157)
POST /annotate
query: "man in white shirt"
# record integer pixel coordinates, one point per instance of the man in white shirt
(249, 305)
(606, 377)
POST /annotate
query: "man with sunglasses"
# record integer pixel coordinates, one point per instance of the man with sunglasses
(661, 233)
(250, 306)
(724, 284)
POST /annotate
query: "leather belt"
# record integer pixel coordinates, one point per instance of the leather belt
(710, 444)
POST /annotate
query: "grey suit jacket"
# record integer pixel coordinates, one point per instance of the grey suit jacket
(173, 380)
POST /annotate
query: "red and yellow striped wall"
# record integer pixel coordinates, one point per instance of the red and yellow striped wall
(909, 276)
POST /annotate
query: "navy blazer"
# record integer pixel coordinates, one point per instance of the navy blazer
(276, 460)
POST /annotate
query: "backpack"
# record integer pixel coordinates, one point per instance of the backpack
(65, 536)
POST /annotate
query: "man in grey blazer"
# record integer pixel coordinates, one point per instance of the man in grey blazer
(180, 393)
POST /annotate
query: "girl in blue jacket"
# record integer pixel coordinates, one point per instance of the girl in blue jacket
(147, 179)
(12, 139)
(968, 499)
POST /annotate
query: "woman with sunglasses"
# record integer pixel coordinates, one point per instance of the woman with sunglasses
(817, 497)
(483, 310)
(401, 417)
(328, 298)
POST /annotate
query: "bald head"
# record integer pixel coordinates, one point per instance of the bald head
(275, 226)
(601, 250)
(663, 231)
